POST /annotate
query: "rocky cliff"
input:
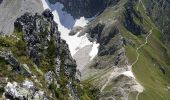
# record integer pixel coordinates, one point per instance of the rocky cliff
(87, 8)
(40, 60)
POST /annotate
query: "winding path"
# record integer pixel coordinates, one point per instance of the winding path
(138, 54)
(146, 41)
(142, 45)
(113, 73)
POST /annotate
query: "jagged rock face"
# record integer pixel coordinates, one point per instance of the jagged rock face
(23, 91)
(43, 41)
(39, 31)
(11, 60)
(86, 8)
(129, 23)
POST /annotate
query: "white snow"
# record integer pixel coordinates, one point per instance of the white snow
(81, 22)
(65, 23)
(128, 73)
(138, 87)
(94, 50)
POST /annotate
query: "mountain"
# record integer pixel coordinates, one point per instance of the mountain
(121, 50)
(40, 61)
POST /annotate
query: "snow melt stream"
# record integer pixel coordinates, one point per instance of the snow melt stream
(65, 23)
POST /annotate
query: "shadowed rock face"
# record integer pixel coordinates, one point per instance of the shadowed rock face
(87, 8)
(129, 19)
(159, 11)
(41, 35)
(1, 1)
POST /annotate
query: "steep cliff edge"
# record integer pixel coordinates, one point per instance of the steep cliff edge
(40, 60)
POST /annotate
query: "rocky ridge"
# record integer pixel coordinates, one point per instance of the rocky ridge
(49, 65)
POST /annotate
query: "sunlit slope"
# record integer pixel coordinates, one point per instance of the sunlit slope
(152, 68)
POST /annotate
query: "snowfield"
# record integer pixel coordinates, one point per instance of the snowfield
(65, 23)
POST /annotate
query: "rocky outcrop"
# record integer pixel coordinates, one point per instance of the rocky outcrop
(110, 40)
(159, 10)
(12, 61)
(75, 30)
(44, 45)
(23, 91)
(38, 32)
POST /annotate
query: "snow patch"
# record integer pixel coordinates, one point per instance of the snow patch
(138, 87)
(81, 22)
(128, 73)
(119, 71)
(94, 50)
(65, 23)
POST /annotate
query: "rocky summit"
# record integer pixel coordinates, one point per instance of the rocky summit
(40, 60)
(84, 50)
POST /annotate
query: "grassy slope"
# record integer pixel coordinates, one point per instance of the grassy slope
(153, 56)
(17, 46)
